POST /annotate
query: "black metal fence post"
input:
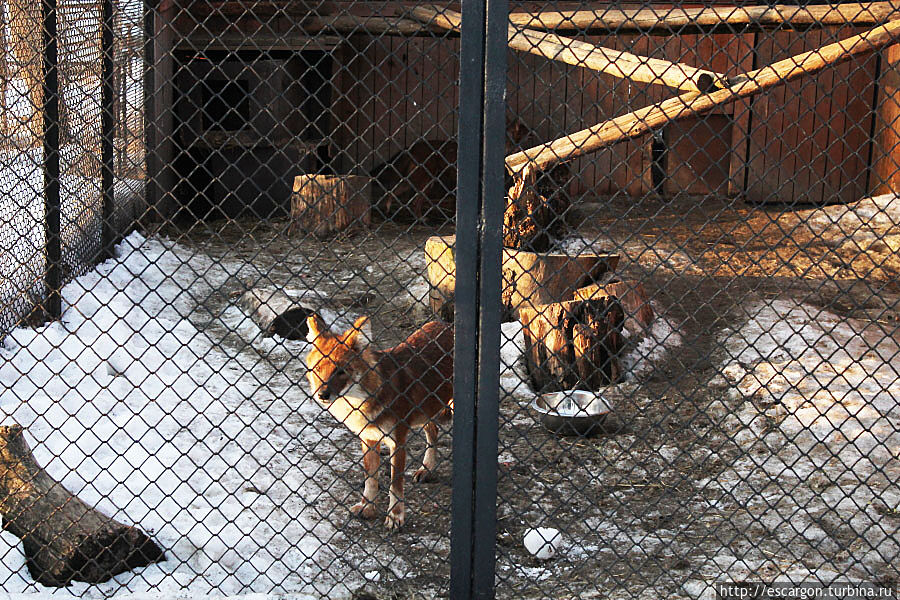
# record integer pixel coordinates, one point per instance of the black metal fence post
(471, 69)
(107, 130)
(490, 304)
(151, 162)
(482, 135)
(53, 243)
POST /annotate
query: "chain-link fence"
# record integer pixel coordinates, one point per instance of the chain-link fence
(257, 255)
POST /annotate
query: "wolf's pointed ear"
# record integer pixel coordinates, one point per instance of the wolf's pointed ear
(360, 335)
(316, 326)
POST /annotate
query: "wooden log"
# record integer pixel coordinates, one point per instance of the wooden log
(529, 278)
(691, 104)
(602, 21)
(531, 221)
(582, 54)
(64, 539)
(573, 344)
(275, 312)
(729, 19)
(632, 297)
(325, 204)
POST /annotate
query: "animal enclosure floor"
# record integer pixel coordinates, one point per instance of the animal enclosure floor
(755, 436)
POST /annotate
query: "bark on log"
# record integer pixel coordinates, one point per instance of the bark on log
(275, 312)
(730, 19)
(582, 54)
(529, 278)
(574, 344)
(531, 221)
(64, 539)
(692, 104)
(632, 297)
(325, 204)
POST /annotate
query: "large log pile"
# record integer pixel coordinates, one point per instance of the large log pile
(64, 539)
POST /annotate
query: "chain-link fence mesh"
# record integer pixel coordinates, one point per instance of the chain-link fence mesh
(257, 275)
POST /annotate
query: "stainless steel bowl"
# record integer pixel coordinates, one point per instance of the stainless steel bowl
(572, 412)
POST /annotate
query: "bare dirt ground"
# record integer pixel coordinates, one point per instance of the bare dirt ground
(635, 504)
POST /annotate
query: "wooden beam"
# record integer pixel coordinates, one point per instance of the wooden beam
(639, 122)
(714, 19)
(581, 54)
(584, 22)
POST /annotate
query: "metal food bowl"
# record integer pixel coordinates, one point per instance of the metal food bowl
(572, 412)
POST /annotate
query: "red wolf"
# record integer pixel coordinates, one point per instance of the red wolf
(380, 395)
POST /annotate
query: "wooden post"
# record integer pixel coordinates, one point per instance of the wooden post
(531, 221)
(573, 345)
(601, 21)
(64, 539)
(581, 54)
(885, 172)
(644, 120)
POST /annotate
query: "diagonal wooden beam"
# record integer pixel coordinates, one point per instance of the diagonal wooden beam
(639, 122)
(581, 54)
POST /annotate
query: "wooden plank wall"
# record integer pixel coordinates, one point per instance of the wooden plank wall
(806, 141)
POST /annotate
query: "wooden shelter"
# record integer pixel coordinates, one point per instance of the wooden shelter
(825, 137)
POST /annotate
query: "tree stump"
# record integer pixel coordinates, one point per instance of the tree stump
(276, 313)
(574, 344)
(531, 221)
(632, 297)
(325, 204)
(64, 538)
(529, 278)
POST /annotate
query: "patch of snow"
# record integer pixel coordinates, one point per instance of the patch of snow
(146, 405)
(819, 421)
(864, 223)
(651, 348)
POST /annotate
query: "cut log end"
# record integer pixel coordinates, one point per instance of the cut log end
(324, 204)
(64, 539)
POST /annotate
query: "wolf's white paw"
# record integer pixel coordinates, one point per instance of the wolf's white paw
(395, 518)
(363, 509)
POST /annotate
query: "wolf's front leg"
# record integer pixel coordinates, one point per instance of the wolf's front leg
(426, 471)
(396, 509)
(365, 508)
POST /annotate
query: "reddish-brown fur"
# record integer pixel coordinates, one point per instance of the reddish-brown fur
(381, 395)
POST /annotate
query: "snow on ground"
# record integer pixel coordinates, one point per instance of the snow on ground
(820, 426)
(137, 404)
(164, 412)
(865, 223)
